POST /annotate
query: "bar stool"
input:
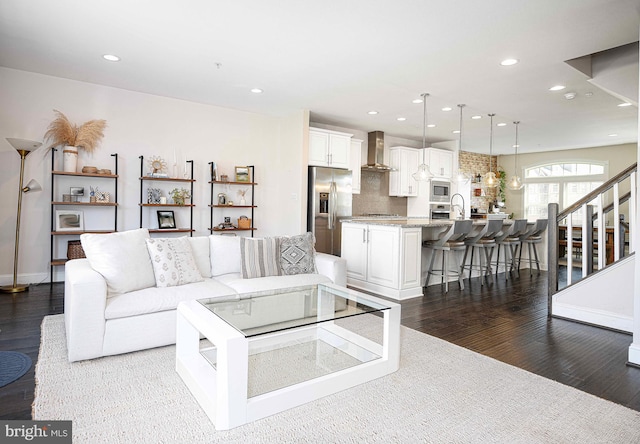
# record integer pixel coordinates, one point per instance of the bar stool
(451, 241)
(531, 238)
(510, 239)
(484, 241)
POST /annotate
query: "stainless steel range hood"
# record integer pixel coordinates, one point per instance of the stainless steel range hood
(375, 153)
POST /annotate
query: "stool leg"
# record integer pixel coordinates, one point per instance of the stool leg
(430, 271)
(482, 268)
(530, 259)
(535, 252)
(445, 270)
(464, 261)
(459, 268)
(506, 270)
(442, 267)
(498, 260)
(473, 250)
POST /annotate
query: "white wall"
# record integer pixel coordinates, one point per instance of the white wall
(634, 349)
(142, 124)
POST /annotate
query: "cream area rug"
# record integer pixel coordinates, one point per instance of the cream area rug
(441, 394)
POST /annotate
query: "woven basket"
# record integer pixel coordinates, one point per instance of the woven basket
(244, 223)
(74, 250)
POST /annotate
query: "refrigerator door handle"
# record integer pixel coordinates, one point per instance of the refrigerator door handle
(333, 197)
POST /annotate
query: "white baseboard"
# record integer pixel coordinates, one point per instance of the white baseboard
(595, 317)
(27, 278)
(634, 353)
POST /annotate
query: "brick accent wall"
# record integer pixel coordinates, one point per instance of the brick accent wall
(475, 164)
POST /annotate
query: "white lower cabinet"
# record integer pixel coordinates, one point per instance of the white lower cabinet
(383, 259)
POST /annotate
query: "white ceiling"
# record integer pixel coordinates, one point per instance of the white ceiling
(340, 59)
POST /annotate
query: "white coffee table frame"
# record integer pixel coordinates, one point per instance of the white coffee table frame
(222, 391)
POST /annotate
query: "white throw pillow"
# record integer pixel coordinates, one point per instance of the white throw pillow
(260, 257)
(200, 248)
(225, 254)
(173, 262)
(121, 258)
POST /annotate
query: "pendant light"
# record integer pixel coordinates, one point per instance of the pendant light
(515, 183)
(490, 180)
(462, 176)
(423, 173)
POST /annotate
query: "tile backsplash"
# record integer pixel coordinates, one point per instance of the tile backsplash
(374, 196)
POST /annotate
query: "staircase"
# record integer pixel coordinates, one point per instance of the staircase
(591, 270)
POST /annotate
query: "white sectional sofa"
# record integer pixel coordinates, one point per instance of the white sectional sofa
(113, 304)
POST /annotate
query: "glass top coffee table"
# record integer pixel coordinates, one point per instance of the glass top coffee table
(270, 351)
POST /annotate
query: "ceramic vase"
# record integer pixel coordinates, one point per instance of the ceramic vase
(70, 159)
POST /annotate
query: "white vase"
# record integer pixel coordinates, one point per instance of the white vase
(70, 159)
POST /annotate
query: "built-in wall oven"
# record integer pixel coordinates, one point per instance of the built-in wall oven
(440, 191)
(440, 211)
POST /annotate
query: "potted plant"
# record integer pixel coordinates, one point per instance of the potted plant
(502, 184)
(180, 195)
(86, 136)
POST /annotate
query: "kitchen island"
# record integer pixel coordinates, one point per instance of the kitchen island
(385, 255)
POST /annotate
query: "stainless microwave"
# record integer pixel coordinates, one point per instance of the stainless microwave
(440, 191)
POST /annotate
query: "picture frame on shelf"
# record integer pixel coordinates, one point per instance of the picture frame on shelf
(69, 220)
(76, 191)
(154, 195)
(166, 220)
(242, 174)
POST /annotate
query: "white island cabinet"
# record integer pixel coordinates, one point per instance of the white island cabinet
(384, 259)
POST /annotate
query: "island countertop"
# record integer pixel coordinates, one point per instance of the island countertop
(408, 222)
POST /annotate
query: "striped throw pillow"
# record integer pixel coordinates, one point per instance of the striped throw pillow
(260, 257)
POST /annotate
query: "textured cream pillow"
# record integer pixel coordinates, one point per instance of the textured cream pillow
(173, 262)
(121, 258)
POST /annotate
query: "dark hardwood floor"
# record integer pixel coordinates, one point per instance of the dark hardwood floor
(506, 320)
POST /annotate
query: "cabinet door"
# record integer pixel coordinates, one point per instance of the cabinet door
(356, 165)
(383, 255)
(394, 174)
(339, 151)
(354, 249)
(441, 163)
(410, 258)
(318, 148)
(409, 161)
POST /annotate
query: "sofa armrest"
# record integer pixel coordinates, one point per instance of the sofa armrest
(334, 267)
(85, 300)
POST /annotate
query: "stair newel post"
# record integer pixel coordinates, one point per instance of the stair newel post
(552, 249)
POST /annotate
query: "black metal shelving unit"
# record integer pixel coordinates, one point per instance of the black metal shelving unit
(213, 206)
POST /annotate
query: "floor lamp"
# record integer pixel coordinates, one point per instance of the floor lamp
(24, 147)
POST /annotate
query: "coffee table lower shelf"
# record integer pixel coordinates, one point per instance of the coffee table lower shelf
(227, 375)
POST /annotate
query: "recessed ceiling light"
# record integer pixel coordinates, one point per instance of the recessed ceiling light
(476, 117)
(456, 131)
(111, 57)
(431, 125)
(372, 112)
(401, 119)
(624, 104)
(446, 108)
(509, 62)
(416, 101)
(515, 146)
(256, 90)
(613, 135)
(501, 124)
(557, 88)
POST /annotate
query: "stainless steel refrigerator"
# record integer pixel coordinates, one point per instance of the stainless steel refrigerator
(329, 201)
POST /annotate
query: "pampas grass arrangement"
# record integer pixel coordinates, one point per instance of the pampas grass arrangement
(87, 136)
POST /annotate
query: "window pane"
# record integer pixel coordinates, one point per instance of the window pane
(584, 169)
(569, 169)
(574, 191)
(536, 198)
(597, 169)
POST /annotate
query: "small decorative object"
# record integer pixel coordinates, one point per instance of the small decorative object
(214, 171)
(68, 220)
(74, 250)
(180, 195)
(242, 193)
(230, 203)
(166, 220)
(244, 222)
(70, 198)
(87, 136)
(103, 196)
(92, 194)
(222, 199)
(76, 191)
(154, 195)
(105, 171)
(158, 166)
(242, 174)
(224, 178)
(163, 200)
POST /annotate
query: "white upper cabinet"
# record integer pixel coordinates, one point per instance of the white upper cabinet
(440, 163)
(329, 148)
(404, 163)
(356, 165)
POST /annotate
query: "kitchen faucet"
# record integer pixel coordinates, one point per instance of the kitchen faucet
(460, 208)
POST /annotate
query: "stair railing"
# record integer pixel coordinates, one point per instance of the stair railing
(592, 213)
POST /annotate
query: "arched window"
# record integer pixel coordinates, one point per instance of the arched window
(560, 182)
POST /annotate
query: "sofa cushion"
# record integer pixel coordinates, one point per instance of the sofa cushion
(172, 261)
(225, 254)
(297, 254)
(200, 249)
(260, 257)
(121, 258)
(151, 300)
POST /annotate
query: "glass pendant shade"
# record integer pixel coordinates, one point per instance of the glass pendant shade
(515, 183)
(490, 180)
(423, 173)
